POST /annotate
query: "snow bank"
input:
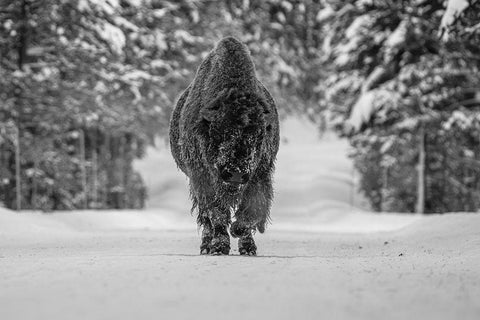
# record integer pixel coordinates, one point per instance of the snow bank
(71, 223)
(339, 218)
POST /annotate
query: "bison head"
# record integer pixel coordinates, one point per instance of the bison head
(235, 124)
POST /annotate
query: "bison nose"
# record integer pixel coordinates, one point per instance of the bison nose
(234, 176)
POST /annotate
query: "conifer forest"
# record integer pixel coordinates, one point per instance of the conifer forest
(86, 86)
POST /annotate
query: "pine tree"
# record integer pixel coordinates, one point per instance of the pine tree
(393, 89)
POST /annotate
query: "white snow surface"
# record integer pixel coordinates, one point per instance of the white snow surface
(354, 35)
(324, 14)
(454, 9)
(362, 110)
(321, 257)
(113, 35)
(376, 102)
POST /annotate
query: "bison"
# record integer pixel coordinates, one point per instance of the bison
(224, 135)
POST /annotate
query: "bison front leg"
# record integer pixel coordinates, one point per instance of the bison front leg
(207, 236)
(244, 230)
(246, 245)
(252, 214)
(220, 239)
(215, 238)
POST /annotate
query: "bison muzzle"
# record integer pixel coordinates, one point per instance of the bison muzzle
(224, 135)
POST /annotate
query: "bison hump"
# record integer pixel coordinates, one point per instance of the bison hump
(232, 61)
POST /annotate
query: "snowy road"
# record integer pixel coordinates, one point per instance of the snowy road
(414, 273)
(320, 259)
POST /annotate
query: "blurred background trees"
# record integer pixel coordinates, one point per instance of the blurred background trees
(404, 88)
(86, 85)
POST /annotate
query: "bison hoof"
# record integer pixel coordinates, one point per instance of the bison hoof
(238, 230)
(247, 247)
(220, 245)
(245, 252)
(221, 252)
(206, 240)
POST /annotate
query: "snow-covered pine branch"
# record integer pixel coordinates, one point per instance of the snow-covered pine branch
(454, 9)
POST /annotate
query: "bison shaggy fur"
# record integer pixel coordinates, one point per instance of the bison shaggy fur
(224, 135)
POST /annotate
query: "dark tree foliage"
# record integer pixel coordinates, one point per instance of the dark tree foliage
(403, 86)
(81, 96)
(88, 84)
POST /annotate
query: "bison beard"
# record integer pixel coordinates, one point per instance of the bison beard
(224, 136)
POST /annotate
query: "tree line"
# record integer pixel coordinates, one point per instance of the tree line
(81, 95)
(89, 84)
(403, 86)
(86, 85)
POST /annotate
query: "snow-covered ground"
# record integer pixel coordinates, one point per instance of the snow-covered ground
(324, 256)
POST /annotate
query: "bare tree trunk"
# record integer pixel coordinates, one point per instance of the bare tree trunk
(420, 208)
(123, 167)
(94, 169)
(95, 178)
(18, 186)
(384, 188)
(83, 168)
(34, 180)
(352, 189)
(106, 149)
(22, 55)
